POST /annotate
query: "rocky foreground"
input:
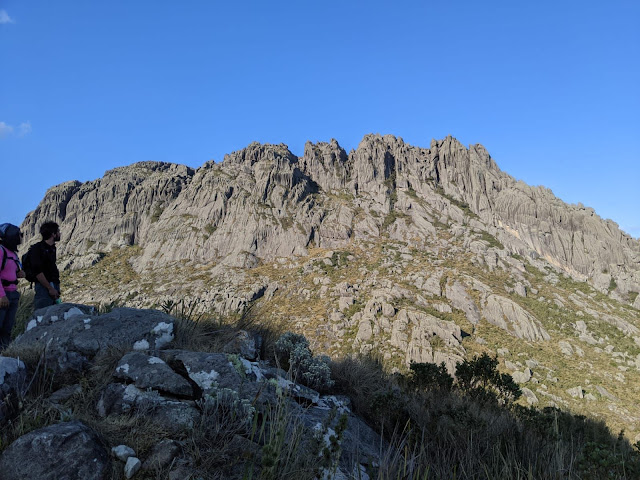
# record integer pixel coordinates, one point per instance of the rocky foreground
(163, 393)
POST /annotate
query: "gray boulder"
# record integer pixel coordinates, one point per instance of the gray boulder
(162, 455)
(66, 451)
(209, 371)
(174, 415)
(510, 316)
(147, 371)
(73, 337)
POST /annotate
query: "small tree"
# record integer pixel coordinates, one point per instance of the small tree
(480, 378)
(429, 376)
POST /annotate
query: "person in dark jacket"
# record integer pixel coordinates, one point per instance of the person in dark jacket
(10, 272)
(44, 266)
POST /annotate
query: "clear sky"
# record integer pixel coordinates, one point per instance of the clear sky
(550, 88)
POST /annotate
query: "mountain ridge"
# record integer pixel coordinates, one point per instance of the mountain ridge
(532, 220)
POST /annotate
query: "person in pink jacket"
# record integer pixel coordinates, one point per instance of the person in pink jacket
(11, 271)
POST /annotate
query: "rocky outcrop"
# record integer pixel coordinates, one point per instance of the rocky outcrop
(176, 391)
(510, 316)
(264, 202)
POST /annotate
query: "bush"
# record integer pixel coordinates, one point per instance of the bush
(292, 352)
(430, 376)
(480, 378)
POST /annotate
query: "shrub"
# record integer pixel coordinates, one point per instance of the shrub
(430, 376)
(480, 378)
(292, 351)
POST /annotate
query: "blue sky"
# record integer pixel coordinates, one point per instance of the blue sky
(551, 89)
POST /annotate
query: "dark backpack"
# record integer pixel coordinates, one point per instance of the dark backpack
(4, 257)
(27, 266)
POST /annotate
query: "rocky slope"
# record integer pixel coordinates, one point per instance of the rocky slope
(409, 253)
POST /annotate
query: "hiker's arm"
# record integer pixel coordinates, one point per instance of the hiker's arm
(42, 280)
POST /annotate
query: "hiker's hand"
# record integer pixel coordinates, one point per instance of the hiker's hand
(21, 274)
(4, 302)
(53, 293)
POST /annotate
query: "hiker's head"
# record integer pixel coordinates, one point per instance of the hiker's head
(10, 236)
(50, 230)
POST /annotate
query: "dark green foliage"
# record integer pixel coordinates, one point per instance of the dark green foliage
(292, 352)
(480, 378)
(429, 376)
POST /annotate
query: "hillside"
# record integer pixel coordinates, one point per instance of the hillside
(400, 252)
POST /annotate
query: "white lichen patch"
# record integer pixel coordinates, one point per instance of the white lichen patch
(330, 402)
(155, 360)
(131, 393)
(162, 327)
(252, 368)
(204, 380)
(164, 332)
(123, 368)
(72, 312)
(54, 318)
(87, 322)
(32, 324)
(141, 345)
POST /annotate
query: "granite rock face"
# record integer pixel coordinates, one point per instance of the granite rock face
(263, 202)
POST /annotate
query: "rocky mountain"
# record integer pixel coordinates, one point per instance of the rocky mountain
(409, 253)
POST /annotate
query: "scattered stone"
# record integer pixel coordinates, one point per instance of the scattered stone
(162, 455)
(565, 348)
(576, 392)
(132, 466)
(529, 396)
(65, 393)
(123, 452)
(605, 393)
(522, 377)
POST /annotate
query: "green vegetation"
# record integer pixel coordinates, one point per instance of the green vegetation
(491, 240)
(157, 211)
(210, 228)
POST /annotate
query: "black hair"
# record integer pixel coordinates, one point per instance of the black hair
(47, 229)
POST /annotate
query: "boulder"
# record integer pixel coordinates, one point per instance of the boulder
(13, 376)
(162, 455)
(510, 316)
(69, 451)
(72, 340)
(174, 415)
(149, 372)
(245, 344)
